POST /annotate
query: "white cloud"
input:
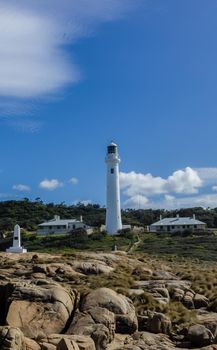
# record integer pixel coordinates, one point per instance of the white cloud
(203, 200)
(214, 188)
(171, 202)
(181, 181)
(208, 175)
(135, 184)
(148, 191)
(85, 202)
(21, 188)
(73, 181)
(169, 198)
(32, 62)
(184, 181)
(33, 35)
(50, 184)
(137, 202)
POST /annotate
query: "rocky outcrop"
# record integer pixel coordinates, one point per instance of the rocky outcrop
(103, 312)
(98, 323)
(38, 310)
(31, 344)
(158, 323)
(177, 290)
(40, 306)
(92, 268)
(83, 342)
(199, 335)
(11, 338)
(189, 298)
(67, 344)
(121, 306)
(142, 341)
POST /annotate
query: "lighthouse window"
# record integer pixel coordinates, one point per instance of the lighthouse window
(112, 170)
(111, 149)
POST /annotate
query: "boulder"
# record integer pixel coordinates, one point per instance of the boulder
(11, 338)
(104, 316)
(135, 292)
(200, 301)
(100, 335)
(31, 344)
(83, 342)
(47, 346)
(40, 310)
(158, 323)
(67, 344)
(163, 292)
(142, 341)
(209, 320)
(98, 323)
(188, 301)
(142, 322)
(142, 271)
(199, 335)
(39, 268)
(177, 294)
(121, 306)
(92, 268)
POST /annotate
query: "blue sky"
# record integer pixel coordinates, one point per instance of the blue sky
(75, 75)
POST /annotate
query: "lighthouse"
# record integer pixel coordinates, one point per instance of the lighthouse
(113, 209)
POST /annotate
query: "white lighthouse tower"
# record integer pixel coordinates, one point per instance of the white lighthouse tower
(113, 210)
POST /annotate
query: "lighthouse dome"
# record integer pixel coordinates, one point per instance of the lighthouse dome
(112, 148)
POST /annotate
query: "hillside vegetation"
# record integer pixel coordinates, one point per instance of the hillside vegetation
(28, 214)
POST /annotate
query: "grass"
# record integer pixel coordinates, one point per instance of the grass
(195, 247)
(67, 244)
(158, 245)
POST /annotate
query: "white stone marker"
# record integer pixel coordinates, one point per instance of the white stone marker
(17, 248)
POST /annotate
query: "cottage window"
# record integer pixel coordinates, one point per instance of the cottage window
(112, 170)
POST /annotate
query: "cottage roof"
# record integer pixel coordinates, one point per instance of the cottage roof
(59, 222)
(178, 221)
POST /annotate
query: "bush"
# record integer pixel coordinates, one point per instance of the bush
(98, 236)
(187, 232)
(79, 235)
(127, 233)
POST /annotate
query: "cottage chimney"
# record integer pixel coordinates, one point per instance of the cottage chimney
(177, 215)
(160, 217)
(56, 217)
(194, 217)
(81, 218)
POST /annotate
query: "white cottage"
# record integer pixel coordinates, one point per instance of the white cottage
(60, 226)
(178, 224)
